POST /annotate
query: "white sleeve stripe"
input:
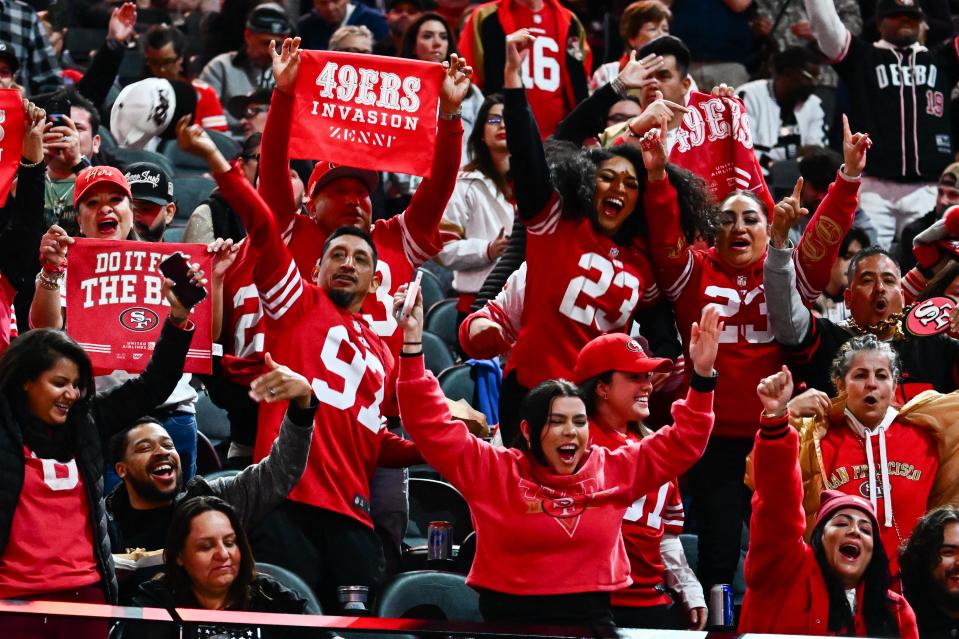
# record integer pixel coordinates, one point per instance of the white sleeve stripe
(808, 293)
(277, 301)
(270, 295)
(906, 284)
(673, 292)
(743, 172)
(548, 224)
(673, 522)
(415, 253)
(296, 295)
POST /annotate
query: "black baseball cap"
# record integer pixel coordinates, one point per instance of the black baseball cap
(236, 106)
(416, 3)
(886, 8)
(149, 182)
(8, 53)
(269, 18)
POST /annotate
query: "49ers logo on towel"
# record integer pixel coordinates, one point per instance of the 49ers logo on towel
(11, 137)
(366, 111)
(115, 304)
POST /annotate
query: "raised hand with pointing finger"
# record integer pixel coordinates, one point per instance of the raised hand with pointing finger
(854, 148)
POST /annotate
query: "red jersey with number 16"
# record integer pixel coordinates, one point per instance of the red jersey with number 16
(579, 285)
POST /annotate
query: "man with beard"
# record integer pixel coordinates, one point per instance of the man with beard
(314, 324)
(140, 508)
(875, 302)
(784, 113)
(899, 90)
(152, 203)
(930, 573)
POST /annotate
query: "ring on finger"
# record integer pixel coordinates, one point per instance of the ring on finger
(272, 391)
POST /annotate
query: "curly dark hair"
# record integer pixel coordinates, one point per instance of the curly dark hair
(880, 621)
(921, 555)
(573, 171)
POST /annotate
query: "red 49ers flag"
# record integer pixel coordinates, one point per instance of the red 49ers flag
(11, 138)
(366, 111)
(115, 309)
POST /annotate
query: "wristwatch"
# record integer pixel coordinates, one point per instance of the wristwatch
(82, 164)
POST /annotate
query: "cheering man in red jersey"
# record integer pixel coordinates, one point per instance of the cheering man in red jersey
(347, 365)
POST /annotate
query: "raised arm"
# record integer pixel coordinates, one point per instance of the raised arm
(423, 215)
(260, 488)
(535, 189)
(831, 34)
(96, 83)
(492, 330)
(274, 184)
(116, 408)
(671, 254)
(776, 545)
(819, 246)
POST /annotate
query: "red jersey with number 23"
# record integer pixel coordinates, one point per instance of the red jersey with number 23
(579, 285)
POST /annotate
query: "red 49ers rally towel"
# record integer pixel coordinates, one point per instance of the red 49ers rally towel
(11, 138)
(115, 309)
(366, 111)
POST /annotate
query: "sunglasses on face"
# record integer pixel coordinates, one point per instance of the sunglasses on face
(251, 112)
(494, 120)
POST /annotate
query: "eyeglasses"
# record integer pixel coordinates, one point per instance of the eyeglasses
(354, 50)
(250, 157)
(251, 112)
(494, 120)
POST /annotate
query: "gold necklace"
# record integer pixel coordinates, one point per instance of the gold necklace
(880, 327)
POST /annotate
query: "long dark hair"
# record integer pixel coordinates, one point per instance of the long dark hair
(174, 574)
(573, 170)
(920, 557)
(408, 47)
(37, 351)
(535, 410)
(480, 158)
(880, 621)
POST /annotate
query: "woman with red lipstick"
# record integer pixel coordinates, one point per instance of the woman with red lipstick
(208, 564)
(615, 375)
(838, 584)
(860, 444)
(729, 277)
(54, 541)
(548, 514)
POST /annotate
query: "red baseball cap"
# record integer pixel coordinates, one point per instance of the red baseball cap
(831, 501)
(616, 352)
(93, 175)
(325, 172)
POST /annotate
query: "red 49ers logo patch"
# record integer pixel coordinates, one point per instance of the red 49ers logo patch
(139, 319)
(930, 317)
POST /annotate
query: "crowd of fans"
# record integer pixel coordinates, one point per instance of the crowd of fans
(683, 240)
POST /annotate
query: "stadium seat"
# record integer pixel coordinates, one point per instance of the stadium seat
(436, 353)
(457, 382)
(107, 141)
(432, 500)
(207, 459)
(428, 594)
(211, 420)
(444, 276)
(82, 42)
(782, 178)
(184, 164)
(441, 320)
(189, 192)
(467, 552)
(432, 289)
(227, 146)
(294, 583)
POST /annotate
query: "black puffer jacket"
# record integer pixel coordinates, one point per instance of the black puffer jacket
(110, 412)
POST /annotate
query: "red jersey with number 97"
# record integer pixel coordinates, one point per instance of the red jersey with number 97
(579, 285)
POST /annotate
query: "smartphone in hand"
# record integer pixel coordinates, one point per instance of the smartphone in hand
(411, 293)
(175, 267)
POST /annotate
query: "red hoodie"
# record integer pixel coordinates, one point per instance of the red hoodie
(785, 589)
(539, 533)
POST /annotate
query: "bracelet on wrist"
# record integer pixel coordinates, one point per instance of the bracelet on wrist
(412, 343)
(619, 87)
(457, 115)
(49, 281)
(413, 354)
(769, 415)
